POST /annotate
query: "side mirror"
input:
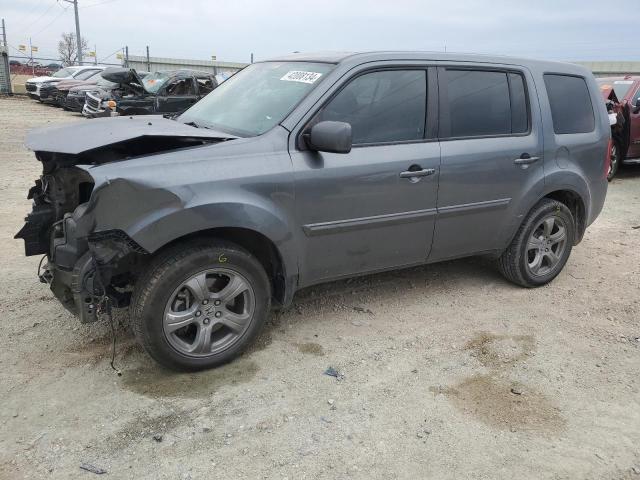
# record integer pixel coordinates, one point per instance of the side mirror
(332, 137)
(636, 105)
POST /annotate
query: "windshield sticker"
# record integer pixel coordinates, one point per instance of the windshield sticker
(300, 76)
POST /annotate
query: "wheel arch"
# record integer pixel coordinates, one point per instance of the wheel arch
(574, 194)
(256, 243)
(576, 205)
(257, 227)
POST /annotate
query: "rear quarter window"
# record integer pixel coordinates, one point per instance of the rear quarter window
(570, 101)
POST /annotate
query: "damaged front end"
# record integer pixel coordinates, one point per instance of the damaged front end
(89, 256)
(82, 266)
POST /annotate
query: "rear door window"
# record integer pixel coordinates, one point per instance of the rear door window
(571, 108)
(382, 107)
(484, 103)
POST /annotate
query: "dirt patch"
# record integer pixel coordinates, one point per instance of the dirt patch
(311, 349)
(499, 351)
(493, 402)
(143, 427)
(156, 382)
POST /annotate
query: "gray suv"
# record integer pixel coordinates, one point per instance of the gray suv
(311, 168)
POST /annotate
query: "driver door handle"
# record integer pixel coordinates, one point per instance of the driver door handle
(425, 172)
(525, 159)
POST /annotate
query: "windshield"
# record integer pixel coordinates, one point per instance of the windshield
(65, 72)
(620, 87)
(154, 81)
(256, 98)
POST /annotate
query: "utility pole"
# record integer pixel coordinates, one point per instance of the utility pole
(148, 60)
(95, 52)
(126, 56)
(78, 37)
(7, 65)
(33, 68)
(252, 58)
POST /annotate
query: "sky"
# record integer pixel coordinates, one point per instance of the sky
(232, 30)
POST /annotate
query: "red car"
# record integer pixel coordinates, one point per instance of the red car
(622, 95)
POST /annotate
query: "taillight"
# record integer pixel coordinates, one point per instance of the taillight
(607, 159)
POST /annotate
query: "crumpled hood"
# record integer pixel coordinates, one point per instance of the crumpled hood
(88, 135)
(125, 76)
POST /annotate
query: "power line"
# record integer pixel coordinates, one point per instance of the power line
(22, 27)
(98, 3)
(28, 14)
(35, 35)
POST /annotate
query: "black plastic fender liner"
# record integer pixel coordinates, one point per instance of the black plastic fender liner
(86, 294)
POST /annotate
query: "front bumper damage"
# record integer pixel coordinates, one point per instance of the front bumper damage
(83, 220)
(82, 269)
(82, 266)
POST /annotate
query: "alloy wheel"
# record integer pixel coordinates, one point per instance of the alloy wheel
(613, 163)
(209, 312)
(546, 245)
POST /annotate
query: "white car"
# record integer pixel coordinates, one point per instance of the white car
(33, 85)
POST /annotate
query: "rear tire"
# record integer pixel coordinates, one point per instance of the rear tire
(199, 304)
(541, 247)
(616, 160)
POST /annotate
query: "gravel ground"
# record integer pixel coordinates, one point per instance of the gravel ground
(449, 371)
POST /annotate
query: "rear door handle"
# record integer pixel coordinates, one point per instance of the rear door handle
(525, 159)
(425, 172)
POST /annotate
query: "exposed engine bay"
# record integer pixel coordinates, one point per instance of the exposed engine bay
(86, 264)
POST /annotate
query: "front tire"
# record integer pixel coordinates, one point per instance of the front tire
(199, 304)
(542, 246)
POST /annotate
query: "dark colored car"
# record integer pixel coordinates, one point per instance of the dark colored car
(623, 97)
(158, 92)
(101, 87)
(311, 168)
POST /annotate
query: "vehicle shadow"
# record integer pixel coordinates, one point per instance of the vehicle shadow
(628, 171)
(142, 375)
(454, 274)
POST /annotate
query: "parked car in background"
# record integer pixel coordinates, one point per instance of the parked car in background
(14, 63)
(54, 92)
(159, 92)
(33, 85)
(54, 67)
(76, 97)
(622, 95)
(310, 168)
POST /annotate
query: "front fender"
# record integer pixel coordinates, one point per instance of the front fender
(167, 214)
